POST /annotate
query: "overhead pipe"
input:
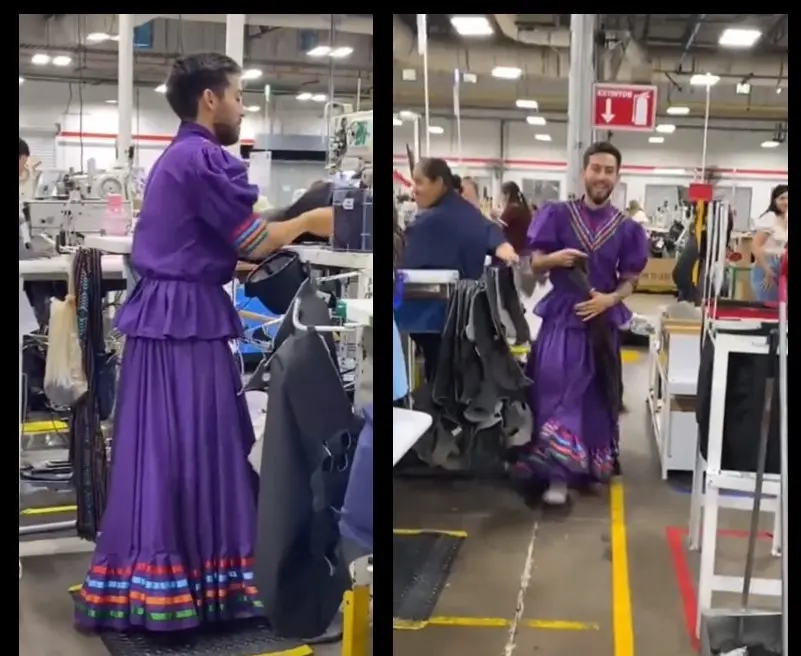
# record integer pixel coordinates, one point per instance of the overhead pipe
(697, 21)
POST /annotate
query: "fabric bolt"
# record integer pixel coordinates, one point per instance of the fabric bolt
(177, 538)
(575, 424)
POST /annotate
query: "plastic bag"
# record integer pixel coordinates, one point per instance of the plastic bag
(64, 379)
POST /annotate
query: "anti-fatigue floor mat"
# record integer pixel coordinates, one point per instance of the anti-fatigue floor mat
(244, 638)
(421, 564)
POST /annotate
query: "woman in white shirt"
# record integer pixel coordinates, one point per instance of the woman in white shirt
(636, 212)
(770, 240)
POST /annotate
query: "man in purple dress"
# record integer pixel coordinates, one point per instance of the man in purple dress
(576, 422)
(176, 544)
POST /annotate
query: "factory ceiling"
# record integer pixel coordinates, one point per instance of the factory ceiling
(662, 49)
(275, 44)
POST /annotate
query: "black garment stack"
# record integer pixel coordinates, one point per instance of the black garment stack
(88, 449)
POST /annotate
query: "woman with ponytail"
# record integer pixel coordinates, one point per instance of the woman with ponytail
(515, 216)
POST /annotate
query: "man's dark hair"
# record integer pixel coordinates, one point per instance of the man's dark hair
(24, 151)
(435, 168)
(190, 76)
(602, 148)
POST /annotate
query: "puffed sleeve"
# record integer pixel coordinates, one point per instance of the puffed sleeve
(226, 198)
(633, 249)
(543, 235)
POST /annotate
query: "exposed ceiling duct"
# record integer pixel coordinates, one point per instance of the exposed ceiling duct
(346, 24)
(545, 54)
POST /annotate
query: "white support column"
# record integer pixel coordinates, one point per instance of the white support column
(579, 104)
(125, 87)
(235, 49)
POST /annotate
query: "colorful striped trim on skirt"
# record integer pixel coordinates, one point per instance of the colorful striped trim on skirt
(164, 596)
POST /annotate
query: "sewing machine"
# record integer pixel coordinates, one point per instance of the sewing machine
(67, 207)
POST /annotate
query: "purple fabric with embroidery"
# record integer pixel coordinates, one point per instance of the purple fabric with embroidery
(177, 538)
(575, 434)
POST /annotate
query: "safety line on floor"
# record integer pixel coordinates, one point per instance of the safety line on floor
(428, 531)
(525, 579)
(622, 620)
(47, 426)
(50, 510)
(494, 623)
(629, 356)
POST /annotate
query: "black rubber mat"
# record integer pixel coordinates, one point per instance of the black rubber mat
(246, 639)
(421, 564)
(243, 638)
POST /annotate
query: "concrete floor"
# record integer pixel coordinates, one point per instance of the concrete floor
(571, 580)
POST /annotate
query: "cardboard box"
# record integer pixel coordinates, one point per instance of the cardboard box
(658, 276)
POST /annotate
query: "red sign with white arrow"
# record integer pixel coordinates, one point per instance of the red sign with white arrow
(624, 107)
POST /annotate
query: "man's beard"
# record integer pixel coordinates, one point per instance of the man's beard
(226, 133)
(598, 196)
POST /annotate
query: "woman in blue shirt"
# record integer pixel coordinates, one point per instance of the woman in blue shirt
(448, 233)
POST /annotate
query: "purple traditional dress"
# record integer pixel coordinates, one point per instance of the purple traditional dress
(576, 431)
(176, 543)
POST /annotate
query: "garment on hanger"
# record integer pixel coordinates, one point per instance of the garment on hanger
(478, 387)
(306, 458)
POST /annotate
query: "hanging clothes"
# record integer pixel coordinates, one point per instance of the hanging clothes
(310, 439)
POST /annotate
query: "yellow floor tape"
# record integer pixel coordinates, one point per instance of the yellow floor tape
(52, 510)
(493, 623)
(46, 426)
(428, 531)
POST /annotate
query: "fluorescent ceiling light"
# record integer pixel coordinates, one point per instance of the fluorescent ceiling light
(666, 128)
(743, 88)
(396, 121)
(435, 129)
(543, 137)
(319, 97)
(341, 53)
(678, 110)
(770, 144)
(735, 37)
(97, 37)
(409, 75)
(778, 90)
(21, 80)
(161, 88)
(536, 120)
(319, 51)
(251, 74)
(704, 80)
(507, 72)
(406, 115)
(303, 97)
(62, 60)
(252, 108)
(656, 140)
(521, 103)
(111, 101)
(469, 78)
(472, 25)
(40, 59)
